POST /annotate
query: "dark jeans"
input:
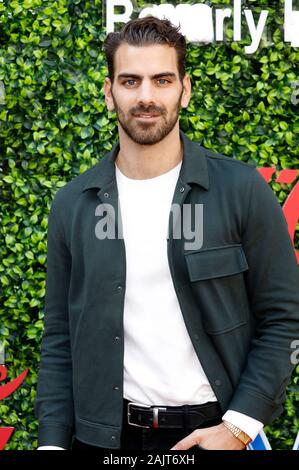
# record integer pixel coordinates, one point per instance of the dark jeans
(148, 439)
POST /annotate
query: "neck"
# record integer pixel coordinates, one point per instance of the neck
(148, 161)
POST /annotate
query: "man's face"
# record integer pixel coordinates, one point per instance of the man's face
(147, 93)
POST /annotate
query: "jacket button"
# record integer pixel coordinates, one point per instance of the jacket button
(113, 438)
(117, 338)
(115, 387)
(106, 194)
(119, 288)
(218, 382)
(182, 189)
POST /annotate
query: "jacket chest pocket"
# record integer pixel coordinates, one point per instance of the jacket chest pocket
(217, 279)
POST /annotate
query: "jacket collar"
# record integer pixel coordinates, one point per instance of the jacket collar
(194, 167)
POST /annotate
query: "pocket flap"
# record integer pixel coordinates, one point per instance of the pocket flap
(216, 262)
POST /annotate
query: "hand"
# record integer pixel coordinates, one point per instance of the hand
(212, 438)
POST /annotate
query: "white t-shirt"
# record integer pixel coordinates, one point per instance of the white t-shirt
(160, 363)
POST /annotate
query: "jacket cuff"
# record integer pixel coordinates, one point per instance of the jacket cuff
(54, 434)
(254, 405)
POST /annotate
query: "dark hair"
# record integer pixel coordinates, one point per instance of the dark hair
(146, 31)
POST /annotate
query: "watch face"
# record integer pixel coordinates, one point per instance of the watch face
(238, 433)
(244, 438)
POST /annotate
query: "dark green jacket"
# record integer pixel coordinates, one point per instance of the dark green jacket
(239, 296)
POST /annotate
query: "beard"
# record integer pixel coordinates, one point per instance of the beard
(148, 133)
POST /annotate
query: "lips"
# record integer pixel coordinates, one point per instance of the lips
(146, 115)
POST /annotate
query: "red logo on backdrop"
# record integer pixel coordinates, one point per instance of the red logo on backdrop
(291, 212)
(5, 391)
(291, 205)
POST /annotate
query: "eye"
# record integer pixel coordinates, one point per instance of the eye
(163, 81)
(130, 82)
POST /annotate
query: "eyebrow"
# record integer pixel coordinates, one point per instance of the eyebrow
(157, 75)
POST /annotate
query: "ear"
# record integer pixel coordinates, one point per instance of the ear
(186, 91)
(108, 94)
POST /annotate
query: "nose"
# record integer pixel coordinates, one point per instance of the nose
(146, 93)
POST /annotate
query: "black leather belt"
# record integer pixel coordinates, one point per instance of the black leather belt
(146, 416)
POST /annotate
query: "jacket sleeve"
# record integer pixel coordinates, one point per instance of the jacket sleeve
(272, 283)
(54, 401)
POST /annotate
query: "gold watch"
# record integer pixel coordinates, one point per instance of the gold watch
(237, 432)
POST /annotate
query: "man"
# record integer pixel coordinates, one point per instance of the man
(153, 341)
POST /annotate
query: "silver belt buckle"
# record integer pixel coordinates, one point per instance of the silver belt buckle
(155, 415)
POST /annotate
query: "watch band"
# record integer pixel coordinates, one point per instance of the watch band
(237, 432)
